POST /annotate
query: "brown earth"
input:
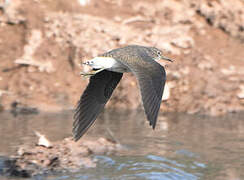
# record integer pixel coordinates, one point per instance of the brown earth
(43, 42)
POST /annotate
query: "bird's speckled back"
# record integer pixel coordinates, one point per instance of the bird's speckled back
(134, 53)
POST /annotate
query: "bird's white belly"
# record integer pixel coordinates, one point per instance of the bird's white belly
(107, 63)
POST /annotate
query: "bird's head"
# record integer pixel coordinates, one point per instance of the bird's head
(158, 54)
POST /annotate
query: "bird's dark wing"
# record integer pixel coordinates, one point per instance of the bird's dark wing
(151, 77)
(93, 100)
(151, 82)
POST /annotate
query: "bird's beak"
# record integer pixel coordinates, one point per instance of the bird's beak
(166, 58)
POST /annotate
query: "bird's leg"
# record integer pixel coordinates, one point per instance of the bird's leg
(91, 73)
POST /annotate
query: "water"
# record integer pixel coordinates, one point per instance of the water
(182, 146)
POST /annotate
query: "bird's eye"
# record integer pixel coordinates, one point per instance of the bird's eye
(159, 53)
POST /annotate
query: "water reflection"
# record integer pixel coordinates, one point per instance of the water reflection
(182, 146)
(146, 167)
(15, 131)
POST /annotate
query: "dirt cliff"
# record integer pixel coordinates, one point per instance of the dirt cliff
(43, 42)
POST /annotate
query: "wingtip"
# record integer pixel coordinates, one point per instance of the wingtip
(153, 126)
(75, 135)
(76, 138)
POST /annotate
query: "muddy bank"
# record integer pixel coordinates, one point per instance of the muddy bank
(55, 157)
(42, 44)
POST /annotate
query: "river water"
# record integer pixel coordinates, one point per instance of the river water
(181, 147)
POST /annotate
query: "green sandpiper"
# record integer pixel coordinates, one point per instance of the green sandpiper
(108, 69)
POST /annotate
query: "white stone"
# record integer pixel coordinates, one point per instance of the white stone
(43, 141)
(241, 93)
(83, 2)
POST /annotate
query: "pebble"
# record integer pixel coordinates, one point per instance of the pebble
(240, 95)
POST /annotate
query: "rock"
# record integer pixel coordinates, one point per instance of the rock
(84, 2)
(29, 50)
(8, 167)
(12, 14)
(172, 38)
(183, 42)
(226, 15)
(43, 141)
(18, 108)
(101, 146)
(231, 70)
(240, 95)
(62, 155)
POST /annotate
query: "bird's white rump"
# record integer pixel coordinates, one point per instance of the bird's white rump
(108, 63)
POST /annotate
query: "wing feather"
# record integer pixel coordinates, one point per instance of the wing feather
(93, 100)
(151, 77)
(151, 81)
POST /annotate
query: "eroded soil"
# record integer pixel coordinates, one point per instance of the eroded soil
(42, 45)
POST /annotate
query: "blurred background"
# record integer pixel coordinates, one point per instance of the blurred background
(200, 131)
(44, 42)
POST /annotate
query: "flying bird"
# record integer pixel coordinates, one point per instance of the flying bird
(108, 69)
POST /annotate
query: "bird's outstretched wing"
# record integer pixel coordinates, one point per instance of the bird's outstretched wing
(93, 100)
(151, 82)
(151, 77)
